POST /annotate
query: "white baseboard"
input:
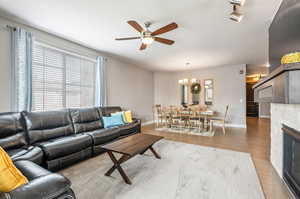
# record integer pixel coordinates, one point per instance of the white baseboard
(216, 124)
(147, 123)
(265, 116)
(233, 125)
(244, 126)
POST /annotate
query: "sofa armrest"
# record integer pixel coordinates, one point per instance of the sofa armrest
(136, 120)
(139, 122)
(44, 187)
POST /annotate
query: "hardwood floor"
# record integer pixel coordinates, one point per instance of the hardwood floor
(254, 140)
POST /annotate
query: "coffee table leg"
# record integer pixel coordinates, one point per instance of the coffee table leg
(154, 152)
(142, 153)
(118, 166)
(113, 168)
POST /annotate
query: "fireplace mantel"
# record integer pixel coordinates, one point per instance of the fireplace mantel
(278, 71)
(281, 86)
(291, 131)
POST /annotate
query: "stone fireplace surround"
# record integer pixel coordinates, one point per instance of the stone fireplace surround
(289, 115)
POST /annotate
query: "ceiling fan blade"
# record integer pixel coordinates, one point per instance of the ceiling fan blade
(165, 29)
(143, 46)
(127, 38)
(136, 26)
(164, 41)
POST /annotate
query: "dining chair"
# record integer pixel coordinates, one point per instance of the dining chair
(196, 118)
(167, 116)
(176, 121)
(186, 114)
(220, 120)
(159, 115)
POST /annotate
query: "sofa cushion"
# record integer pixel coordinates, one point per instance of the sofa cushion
(103, 136)
(32, 153)
(68, 160)
(87, 119)
(42, 183)
(11, 131)
(59, 147)
(31, 170)
(107, 110)
(129, 128)
(42, 126)
(45, 187)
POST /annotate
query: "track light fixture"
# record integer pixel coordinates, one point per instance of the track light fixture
(237, 2)
(236, 15)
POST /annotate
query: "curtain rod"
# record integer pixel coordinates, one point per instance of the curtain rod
(7, 27)
(11, 27)
(4, 27)
(68, 51)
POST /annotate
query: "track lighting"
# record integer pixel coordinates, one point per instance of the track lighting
(237, 2)
(236, 15)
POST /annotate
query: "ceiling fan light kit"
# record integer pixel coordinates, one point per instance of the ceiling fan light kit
(236, 15)
(147, 37)
(147, 40)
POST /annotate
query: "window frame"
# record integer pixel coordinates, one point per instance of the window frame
(66, 54)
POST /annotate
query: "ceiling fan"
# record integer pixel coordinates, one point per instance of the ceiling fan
(147, 37)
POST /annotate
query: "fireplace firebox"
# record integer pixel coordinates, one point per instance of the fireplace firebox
(291, 159)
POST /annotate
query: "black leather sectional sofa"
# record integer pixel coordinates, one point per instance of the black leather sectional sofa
(41, 142)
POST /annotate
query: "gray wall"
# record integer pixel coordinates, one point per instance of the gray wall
(229, 89)
(131, 87)
(5, 70)
(128, 85)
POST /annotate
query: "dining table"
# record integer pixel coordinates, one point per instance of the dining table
(186, 113)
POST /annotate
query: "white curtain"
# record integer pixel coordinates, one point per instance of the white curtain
(101, 82)
(21, 45)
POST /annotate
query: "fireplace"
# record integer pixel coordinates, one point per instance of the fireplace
(291, 159)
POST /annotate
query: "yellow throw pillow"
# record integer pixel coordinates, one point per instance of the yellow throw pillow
(128, 116)
(10, 177)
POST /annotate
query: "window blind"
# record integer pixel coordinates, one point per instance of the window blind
(61, 80)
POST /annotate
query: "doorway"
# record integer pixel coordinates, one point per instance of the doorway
(252, 109)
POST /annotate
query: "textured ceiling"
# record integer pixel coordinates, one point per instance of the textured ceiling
(205, 37)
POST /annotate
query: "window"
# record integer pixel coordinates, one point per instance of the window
(61, 79)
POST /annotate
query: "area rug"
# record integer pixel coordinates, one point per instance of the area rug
(185, 172)
(187, 131)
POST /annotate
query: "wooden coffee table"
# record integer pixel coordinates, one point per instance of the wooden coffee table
(130, 147)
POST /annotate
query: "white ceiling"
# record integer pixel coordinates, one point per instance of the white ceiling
(205, 37)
